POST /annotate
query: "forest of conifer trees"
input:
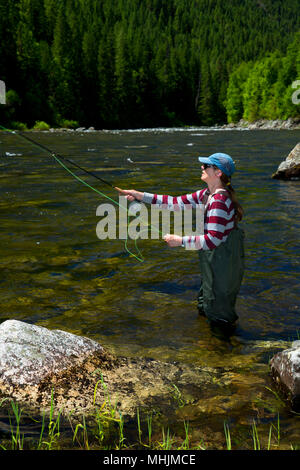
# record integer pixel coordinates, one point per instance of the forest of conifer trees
(139, 63)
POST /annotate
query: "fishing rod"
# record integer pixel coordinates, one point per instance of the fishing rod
(54, 154)
(60, 159)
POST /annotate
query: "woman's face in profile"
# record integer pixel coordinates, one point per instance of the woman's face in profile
(210, 174)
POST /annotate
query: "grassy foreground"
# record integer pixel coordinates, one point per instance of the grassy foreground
(105, 429)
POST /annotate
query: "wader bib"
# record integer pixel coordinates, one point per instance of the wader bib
(222, 272)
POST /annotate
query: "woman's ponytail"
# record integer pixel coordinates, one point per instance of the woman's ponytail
(239, 212)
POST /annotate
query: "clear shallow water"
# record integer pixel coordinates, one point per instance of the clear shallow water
(56, 273)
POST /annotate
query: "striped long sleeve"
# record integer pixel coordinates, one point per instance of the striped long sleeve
(218, 223)
(175, 202)
(218, 220)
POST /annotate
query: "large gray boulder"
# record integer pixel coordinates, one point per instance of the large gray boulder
(285, 369)
(30, 353)
(290, 167)
(37, 363)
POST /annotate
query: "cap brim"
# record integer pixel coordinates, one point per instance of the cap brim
(204, 159)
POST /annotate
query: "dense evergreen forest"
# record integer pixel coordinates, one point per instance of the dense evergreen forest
(133, 63)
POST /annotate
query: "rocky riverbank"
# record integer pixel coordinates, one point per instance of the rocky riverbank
(264, 124)
(36, 362)
(261, 124)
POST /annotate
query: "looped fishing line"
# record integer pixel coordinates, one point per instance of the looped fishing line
(58, 160)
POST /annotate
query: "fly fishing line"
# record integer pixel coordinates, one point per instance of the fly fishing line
(59, 158)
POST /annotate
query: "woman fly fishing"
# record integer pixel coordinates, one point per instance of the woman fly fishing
(221, 247)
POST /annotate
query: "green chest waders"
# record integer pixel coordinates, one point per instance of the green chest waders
(222, 272)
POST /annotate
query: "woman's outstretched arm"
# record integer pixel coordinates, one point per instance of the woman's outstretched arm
(169, 202)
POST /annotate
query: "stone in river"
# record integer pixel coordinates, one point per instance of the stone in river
(285, 369)
(290, 167)
(30, 353)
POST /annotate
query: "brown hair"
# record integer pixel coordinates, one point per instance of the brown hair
(239, 212)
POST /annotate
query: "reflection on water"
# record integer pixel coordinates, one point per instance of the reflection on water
(56, 273)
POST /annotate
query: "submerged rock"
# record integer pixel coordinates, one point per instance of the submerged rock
(290, 167)
(285, 369)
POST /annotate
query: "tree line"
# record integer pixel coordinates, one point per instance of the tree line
(267, 88)
(133, 63)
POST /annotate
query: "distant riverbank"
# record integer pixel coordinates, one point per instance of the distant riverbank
(261, 124)
(290, 124)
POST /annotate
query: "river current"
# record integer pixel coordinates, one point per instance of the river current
(56, 273)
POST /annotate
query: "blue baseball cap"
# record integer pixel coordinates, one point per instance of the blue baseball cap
(221, 160)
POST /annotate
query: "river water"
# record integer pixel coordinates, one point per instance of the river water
(56, 273)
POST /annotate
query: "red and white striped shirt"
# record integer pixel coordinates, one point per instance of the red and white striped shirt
(218, 218)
